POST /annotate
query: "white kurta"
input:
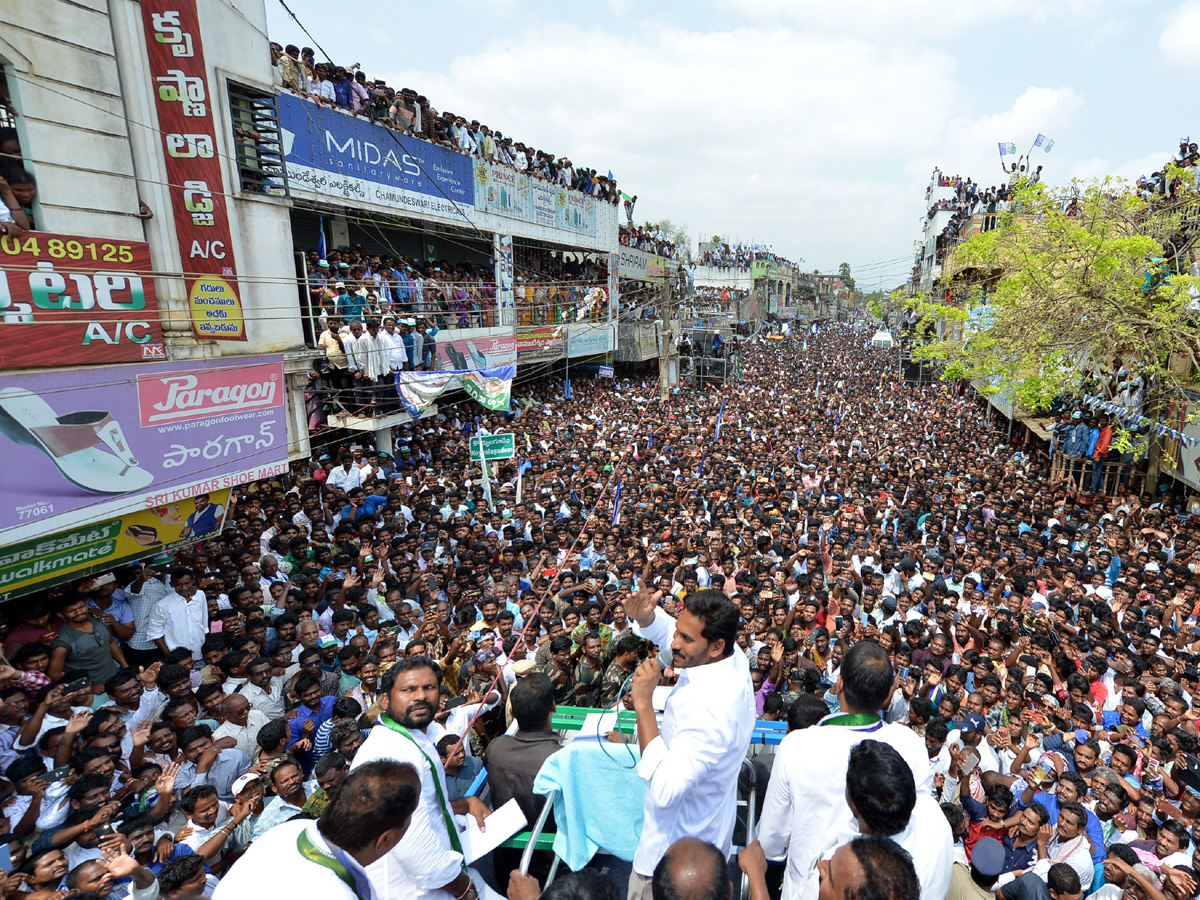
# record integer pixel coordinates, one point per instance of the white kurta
(424, 860)
(273, 867)
(805, 809)
(928, 840)
(691, 769)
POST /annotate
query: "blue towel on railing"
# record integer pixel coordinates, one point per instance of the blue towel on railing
(598, 804)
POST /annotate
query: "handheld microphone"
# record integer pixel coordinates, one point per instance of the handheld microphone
(665, 657)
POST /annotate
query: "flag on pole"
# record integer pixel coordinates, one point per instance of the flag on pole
(616, 519)
(1007, 149)
(1039, 140)
(700, 474)
(321, 249)
(720, 412)
(567, 388)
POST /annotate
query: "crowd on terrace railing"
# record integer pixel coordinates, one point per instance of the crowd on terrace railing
(349, 89)
(739, 256)
(649, 241)
(1162, 184)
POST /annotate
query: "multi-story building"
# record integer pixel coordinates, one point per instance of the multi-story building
(161, 308)
(154, 359)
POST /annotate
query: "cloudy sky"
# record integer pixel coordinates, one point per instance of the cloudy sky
(808, 125)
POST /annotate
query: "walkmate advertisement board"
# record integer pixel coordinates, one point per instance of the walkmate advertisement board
(45, 561)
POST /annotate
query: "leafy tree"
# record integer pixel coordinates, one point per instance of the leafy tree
(844, 274)
(1068, 287)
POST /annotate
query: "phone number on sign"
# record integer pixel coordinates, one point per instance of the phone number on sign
(57, 248)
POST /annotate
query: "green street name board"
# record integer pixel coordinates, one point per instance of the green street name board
(495, 446)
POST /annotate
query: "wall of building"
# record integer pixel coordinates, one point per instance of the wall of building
(714, 276)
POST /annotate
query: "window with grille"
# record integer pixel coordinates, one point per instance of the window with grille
(257, 141)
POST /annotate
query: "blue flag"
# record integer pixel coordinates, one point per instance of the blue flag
(567, 389)
(321, 249)
(700, 474)
(720, 412)
(617, 506)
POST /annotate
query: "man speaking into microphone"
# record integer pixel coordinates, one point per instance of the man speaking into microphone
(691, 762)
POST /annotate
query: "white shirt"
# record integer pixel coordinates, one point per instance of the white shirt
(805, 808)
(180, 622)
(397, 352)
(424, 860)
(930, 842)
(346, 480)
(273, 867)
(691, 769)
(1080, 860)
(324, 90)
(272, 704)
(245, 735)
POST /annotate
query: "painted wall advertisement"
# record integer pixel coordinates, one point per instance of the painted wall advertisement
(100, 443)
(501, 190)
(193, 170)
(330, 153)
(540, 343)
(45, 561)
(78, 300)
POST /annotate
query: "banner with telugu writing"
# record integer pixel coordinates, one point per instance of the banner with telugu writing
(183, 98)
(490, 387)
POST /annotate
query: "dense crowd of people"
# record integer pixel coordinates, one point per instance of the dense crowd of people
(987, 679)
(296, 69)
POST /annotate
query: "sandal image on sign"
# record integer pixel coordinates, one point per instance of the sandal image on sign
(88, 446)
(144, 535)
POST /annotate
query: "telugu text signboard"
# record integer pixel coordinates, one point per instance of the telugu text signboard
(78, 301)
(183, 98)
(494, 446)
(540, 343)
(103, 442)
